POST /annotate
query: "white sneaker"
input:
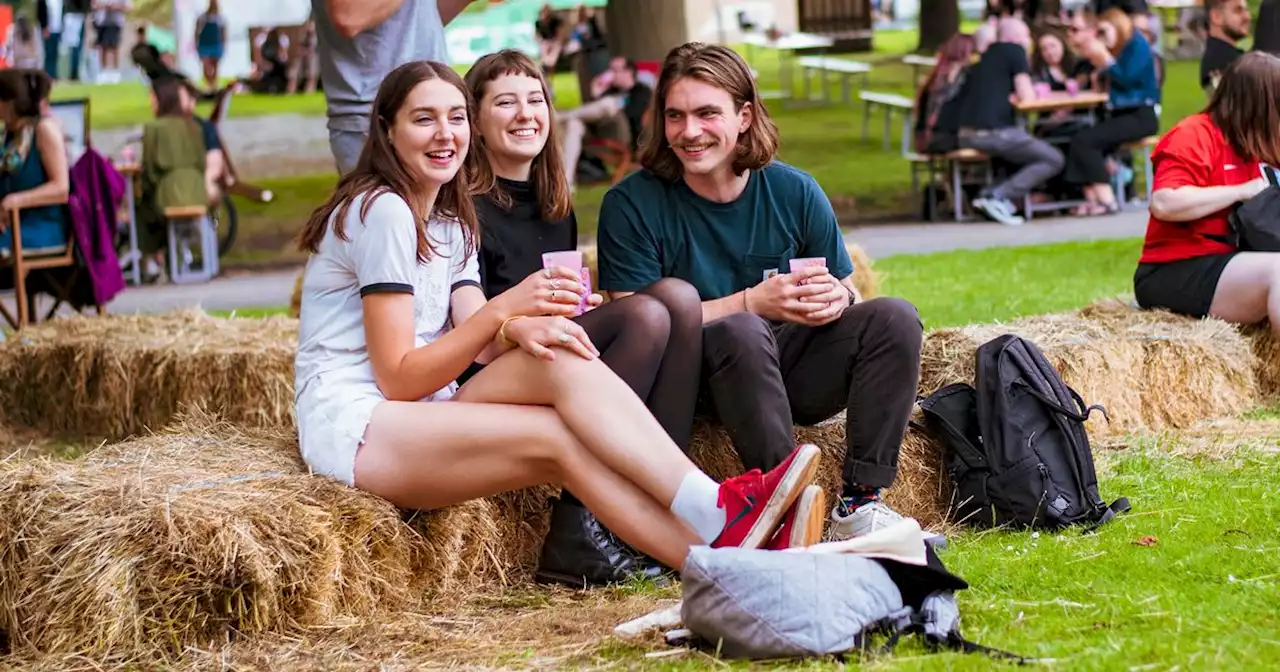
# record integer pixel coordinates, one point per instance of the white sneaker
(872, 516)
(999, 210)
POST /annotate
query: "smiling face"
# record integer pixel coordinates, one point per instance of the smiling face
(702, 126)
(431, 132)
(514, 119)
(1051, 50)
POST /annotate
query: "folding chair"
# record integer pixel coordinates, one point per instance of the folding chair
(24, 262)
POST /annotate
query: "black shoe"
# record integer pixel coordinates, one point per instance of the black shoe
(580, 552)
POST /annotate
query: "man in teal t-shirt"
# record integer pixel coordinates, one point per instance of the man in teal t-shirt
(713, 207)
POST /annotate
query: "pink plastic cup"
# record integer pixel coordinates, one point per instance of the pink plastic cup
(797, 264)
(1073, 86)
(571, 259)
(1042, 90)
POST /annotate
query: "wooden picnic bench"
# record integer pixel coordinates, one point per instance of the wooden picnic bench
(845, 68)
(891, 102)
(917, 63)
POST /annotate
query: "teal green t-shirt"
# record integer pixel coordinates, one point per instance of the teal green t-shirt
(651, 229)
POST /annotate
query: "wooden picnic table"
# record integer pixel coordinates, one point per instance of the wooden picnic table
(918, 62)
(786, 46)
(1060, 100)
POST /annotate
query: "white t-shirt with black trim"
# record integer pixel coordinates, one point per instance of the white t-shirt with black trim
(335, 388)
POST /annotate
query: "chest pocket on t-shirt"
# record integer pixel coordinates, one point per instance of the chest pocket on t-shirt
(757, 267)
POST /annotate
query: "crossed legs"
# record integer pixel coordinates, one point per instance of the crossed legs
(522, 422)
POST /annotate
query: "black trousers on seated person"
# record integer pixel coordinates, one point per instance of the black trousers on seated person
(1087, 153)
(762, 376)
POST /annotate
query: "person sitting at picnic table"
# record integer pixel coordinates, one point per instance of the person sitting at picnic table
(393, 313)
(937, 106)
(1125, 59)
(652, 340)
(173, 168)
(34, 176)
(1228, 25)
(988, 123)
(1204, 166)
(713, 206)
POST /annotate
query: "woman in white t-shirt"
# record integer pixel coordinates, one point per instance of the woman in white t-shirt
(392, 313)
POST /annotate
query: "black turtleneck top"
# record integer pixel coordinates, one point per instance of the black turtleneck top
(512, 241)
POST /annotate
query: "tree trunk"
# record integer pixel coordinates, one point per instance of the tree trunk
(939, 20)
(645, 30)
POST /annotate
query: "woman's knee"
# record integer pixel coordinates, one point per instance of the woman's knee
(680, 297)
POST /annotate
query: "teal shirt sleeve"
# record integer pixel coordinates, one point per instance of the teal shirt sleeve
(627, 248)
(822, 237)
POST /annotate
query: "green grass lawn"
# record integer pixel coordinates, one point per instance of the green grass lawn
(1188, 580)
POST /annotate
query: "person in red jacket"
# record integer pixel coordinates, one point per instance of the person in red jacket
(1204, 166)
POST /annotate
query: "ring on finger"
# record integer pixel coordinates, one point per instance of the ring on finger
(553, 296)
(563, 337)
(546, 273)
(555, 283)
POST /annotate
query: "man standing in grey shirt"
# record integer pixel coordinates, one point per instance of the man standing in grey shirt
(360, 42)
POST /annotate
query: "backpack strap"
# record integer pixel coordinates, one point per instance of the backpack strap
(955, 642)
(1117, 507)
(1079, 416)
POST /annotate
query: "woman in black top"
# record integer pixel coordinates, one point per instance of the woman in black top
(652, 339)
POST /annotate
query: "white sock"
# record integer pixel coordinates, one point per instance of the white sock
(695, 504)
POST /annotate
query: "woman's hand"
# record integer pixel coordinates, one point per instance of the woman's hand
(14, 201)
(1253, 187)
(594, 301)
(555, 292)
(538, 335)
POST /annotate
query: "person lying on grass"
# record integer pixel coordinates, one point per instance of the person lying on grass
(712, 206)
(392, 314)
(1204, 166)
(652, 339)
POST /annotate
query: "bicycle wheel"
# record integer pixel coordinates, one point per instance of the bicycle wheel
(225, 222)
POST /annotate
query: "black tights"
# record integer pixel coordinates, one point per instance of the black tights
(653, 341)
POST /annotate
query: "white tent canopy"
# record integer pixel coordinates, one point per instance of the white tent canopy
(239, 15)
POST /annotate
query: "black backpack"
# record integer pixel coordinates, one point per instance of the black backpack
(1017, 452)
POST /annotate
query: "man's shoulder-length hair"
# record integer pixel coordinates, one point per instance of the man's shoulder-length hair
(722, 68)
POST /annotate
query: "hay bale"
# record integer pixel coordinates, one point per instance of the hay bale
(207, 531)
(115, 376)
(920, 491)
(1193, 369)
(865, 277)
(1149, 369)
(1266, 352)
(295, 298)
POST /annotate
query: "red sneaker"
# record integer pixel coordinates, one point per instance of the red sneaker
(802, 526)
(755, 503)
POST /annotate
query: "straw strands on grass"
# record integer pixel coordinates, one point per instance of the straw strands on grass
(1148, 368)
(207, 531)
(114, 376)
(920, 491)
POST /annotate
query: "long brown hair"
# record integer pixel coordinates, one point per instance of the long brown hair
(955, 54)
(1245, 108)
(722, 68)
(554, 200)
(379, 170)
(26, 88)
(1123, 25)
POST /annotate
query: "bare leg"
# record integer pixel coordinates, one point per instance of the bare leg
(1249, 290)
(622, 466)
